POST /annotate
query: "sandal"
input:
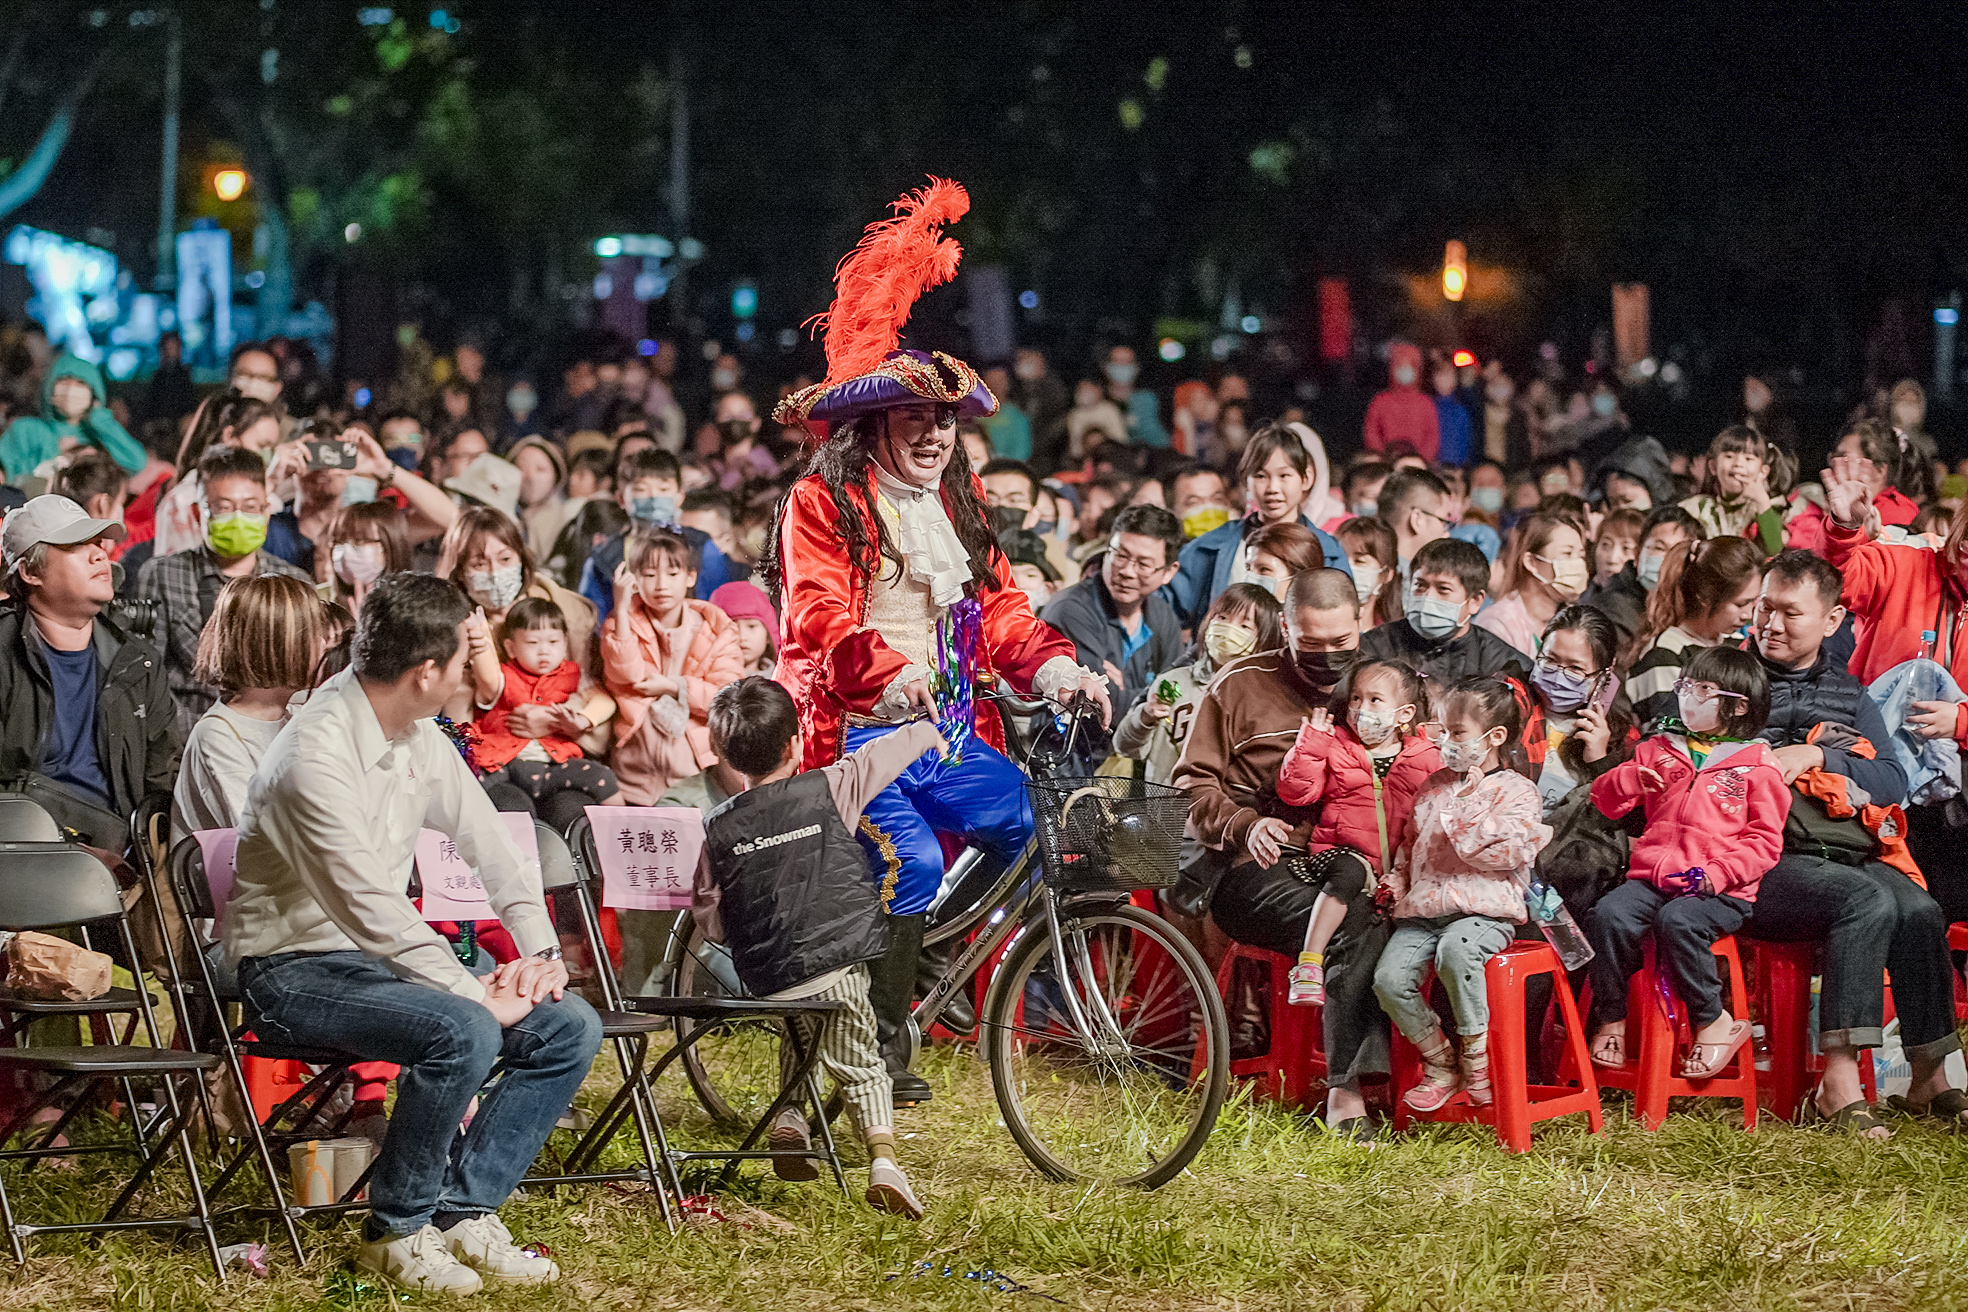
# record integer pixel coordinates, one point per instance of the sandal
(1695, 1069)
(1946, 1107)
(1855, 1119)
(1354, 1129)
(1609, 1050)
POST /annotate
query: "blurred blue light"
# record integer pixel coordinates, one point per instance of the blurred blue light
(374, 16)
(746, 331)
(1250, 324)
(439, 19)
(1028, 300)
(1947, 314)
(363, 396)
(647, 346)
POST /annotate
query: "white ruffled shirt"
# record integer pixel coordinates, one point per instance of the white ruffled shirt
(934, 556)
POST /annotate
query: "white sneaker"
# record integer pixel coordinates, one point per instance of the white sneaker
(419, 1261)
(790, 1133)
(485, 1245)
(888, 1190)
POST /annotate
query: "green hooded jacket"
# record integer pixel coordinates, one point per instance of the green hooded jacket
(31, 442)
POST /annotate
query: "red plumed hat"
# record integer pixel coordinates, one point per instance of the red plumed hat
(875, 286)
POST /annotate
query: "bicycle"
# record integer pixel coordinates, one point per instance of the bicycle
(1106, 1040)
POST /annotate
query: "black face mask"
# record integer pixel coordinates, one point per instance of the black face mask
(734, 431)
(1324, 669)
(1006, 518)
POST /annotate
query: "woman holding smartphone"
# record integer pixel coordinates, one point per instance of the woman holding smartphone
(1584, 726)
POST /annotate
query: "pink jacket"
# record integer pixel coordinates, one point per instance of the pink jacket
(1728, 817)
(648, 759)
(1473, 855)
(1403, 413)
(1332, 771)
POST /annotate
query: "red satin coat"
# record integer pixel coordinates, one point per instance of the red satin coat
(832, 664)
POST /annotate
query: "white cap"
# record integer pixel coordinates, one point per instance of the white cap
(490, 481)
(55, 520)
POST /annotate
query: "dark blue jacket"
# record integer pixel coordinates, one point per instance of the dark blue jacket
(1203, 568)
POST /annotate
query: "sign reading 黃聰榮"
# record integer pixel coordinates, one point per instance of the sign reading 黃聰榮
(648, 854)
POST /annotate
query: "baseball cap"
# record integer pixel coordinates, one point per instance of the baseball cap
(54, 520)
(1022, 546)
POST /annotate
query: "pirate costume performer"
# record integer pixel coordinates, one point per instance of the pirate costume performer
(895, 598)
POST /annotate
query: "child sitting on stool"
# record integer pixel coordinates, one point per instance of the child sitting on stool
(785, 883)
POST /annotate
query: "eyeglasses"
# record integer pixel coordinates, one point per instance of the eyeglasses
(1124, 563)
(1547, 663)
(1703, 691)
(1446, 521)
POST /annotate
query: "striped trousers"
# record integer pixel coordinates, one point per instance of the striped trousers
(848, 1052)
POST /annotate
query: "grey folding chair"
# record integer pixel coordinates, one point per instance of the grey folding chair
(696, 1018)
(49, 887)
(589, 969)
(23, 821)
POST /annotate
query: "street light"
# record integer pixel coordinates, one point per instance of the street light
(229, 184)
(1455, 270)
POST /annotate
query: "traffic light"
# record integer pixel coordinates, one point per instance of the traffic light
(1455, 270)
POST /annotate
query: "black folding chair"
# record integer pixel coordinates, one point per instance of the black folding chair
(698, 1017)
(589, 968)
(49, 886)
(296, 1119)
(23, 821)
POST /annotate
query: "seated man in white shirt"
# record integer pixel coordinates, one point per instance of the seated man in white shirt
(332, 954)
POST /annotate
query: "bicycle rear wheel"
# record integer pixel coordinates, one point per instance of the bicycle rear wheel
(1130, 1096)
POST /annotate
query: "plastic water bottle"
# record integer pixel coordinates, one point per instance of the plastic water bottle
(1554, 920)
(1927, 640)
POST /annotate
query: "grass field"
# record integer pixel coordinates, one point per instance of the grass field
(1699, 1215)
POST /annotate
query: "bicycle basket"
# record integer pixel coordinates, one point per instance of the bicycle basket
(1107, 835)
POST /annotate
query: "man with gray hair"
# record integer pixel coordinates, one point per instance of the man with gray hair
(87, 725)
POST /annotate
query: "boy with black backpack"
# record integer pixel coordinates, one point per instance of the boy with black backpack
(785, 883)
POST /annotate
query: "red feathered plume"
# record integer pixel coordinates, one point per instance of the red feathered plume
(877, 283)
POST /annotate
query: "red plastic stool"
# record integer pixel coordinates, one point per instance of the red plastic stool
(1649, 1072)
(1783, 1001)
(1293, 1064)
(271, 1081)
(1958, 942)
(1516, 1103)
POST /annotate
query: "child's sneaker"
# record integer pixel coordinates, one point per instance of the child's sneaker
(1439, 1080)
(790, 1133)
(1308, 981)
(1476, 1068)
(888, 1190)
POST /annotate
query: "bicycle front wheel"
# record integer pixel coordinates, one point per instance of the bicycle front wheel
(1121, 1082)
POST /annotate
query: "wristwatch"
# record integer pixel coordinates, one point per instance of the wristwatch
(389, 480)
(550, 954)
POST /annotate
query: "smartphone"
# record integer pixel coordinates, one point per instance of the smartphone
(329, 453)
(1607, 689)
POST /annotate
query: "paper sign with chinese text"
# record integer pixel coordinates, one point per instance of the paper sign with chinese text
(452, 889)
(648, 854)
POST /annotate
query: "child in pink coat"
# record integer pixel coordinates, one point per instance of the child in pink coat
(1466, 860)
(663, 657)
(1716, 803)
(1364, 776)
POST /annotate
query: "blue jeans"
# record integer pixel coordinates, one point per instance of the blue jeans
(447, 1047)
(1458, 947)
(982, 798)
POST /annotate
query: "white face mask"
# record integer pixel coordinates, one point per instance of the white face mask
(1700, 714)
(1462, 757)
(494, 589)
(357, 563)
(1375, 726)
(1365, 579)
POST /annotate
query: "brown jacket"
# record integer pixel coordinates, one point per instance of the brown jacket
(1245, 724)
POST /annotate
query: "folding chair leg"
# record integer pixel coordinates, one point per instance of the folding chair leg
(201, 1209)
(826, 1132)
(260, 1149)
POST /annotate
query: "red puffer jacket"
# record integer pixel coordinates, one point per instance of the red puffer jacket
(1727, 817)
(1331, 769)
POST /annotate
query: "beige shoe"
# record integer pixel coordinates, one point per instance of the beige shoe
(790, 1134)
(485, 1245)
(419, 1261)
(888, 1190)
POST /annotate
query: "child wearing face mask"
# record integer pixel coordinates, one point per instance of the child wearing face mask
(1548, 574)
(1364, 775)
(1467, 857)
(664, 655)
(537, 672)
(1716, 804)
(1243, 619)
